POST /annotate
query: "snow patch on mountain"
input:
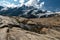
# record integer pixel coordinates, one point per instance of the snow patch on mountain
(4, 9)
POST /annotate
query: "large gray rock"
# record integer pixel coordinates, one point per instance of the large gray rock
(19, 34)
(5, 20)
(3, 33)
(14, 28)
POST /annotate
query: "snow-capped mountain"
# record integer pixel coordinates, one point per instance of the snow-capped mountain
(30, 9)
(25, 11)
(14, 11)
(20, 11)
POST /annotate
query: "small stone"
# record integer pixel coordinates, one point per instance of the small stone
(31, 22)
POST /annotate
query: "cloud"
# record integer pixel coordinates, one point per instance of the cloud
(41, 5)
(22, 2)
(33, 3)
(8, 4)
(15, 0)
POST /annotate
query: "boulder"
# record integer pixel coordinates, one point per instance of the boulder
(31, 22)
(3, 33)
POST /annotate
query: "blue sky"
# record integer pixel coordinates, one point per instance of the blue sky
(53, 5)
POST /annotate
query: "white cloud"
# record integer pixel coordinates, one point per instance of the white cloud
(15, 0)
(41, 5)
(8, 4)
(33, 3)
(21, 1)
(38, 0)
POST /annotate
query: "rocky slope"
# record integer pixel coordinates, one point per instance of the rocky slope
(18, 28)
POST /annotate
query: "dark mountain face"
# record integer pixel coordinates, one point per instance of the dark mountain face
(1, 7)
(11, 12)
(15, 11)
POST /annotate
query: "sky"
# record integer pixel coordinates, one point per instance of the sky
(51, 5)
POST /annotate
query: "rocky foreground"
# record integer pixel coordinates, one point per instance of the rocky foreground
(18, 28)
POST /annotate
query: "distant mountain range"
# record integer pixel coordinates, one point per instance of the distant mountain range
(24, 11)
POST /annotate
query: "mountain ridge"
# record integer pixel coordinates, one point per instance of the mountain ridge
(25, 11)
